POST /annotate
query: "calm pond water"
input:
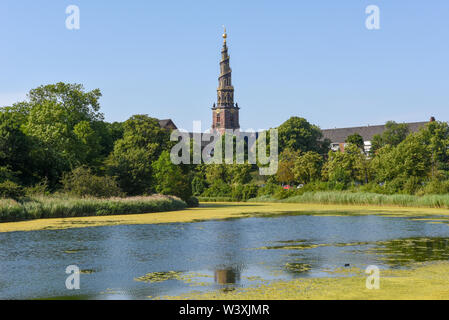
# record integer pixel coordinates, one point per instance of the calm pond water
(213, 254)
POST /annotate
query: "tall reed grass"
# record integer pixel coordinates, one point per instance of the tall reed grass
(63, 206)
(217, 199)
(364, 198)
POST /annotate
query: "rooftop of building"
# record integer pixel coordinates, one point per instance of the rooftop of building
(339, 135)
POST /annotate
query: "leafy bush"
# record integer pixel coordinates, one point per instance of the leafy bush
(250, 191)
(282, 194)
(373, 187)
(268, 189)
(40, 189)
(401, 185)
(7, 174)
(436, 187)
(198, 186)
(218, 189)
(319, 186)
(81, 182)
(244, 192)
(412, 185)
(12, 190)
(237, 192)
(193, 202)
(170, 178)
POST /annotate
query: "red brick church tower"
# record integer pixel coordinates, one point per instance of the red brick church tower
(225, 114)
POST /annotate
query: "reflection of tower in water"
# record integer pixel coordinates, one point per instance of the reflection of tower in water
(227, 276)
(229, 260)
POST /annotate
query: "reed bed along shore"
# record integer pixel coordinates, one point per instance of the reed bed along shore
(63, 206)
(363, 198)
(225, 210)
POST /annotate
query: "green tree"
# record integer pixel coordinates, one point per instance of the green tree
(77, 104)
(108, 134)
(217, 172)
(59, 118)
(239, 173)
(411, 158)
(307, 167)
(220, 178)
(345, 167)
(298, 134)
(198, 186)
(286, 167)
(170, 179)
(218, 189)
(393, 135)
(15, 146)
(89, 142)
(82, 182)
(115, 130)
(142, 143)
(357, 140)
(7, 174)
(435, 135)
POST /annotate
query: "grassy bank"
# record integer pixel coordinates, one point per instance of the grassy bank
(66, 206)
(422, 281)
(362, 198)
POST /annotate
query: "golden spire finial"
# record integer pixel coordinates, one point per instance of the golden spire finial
(225, 35)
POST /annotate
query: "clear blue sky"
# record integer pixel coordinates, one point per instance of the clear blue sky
(313, 59)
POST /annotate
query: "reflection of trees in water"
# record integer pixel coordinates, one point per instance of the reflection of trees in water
(400, 252)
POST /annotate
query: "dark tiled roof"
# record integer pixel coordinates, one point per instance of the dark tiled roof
(339, 135)
(167, 123)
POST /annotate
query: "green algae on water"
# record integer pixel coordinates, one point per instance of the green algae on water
(190, 278)
(433, 280)
(87, 271)
(159, 276)
(297, 267)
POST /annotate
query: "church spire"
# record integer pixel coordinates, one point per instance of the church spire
(225, 91)
(225, 112)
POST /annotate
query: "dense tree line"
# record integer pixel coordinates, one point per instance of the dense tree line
(57, 140)
(398, 162)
